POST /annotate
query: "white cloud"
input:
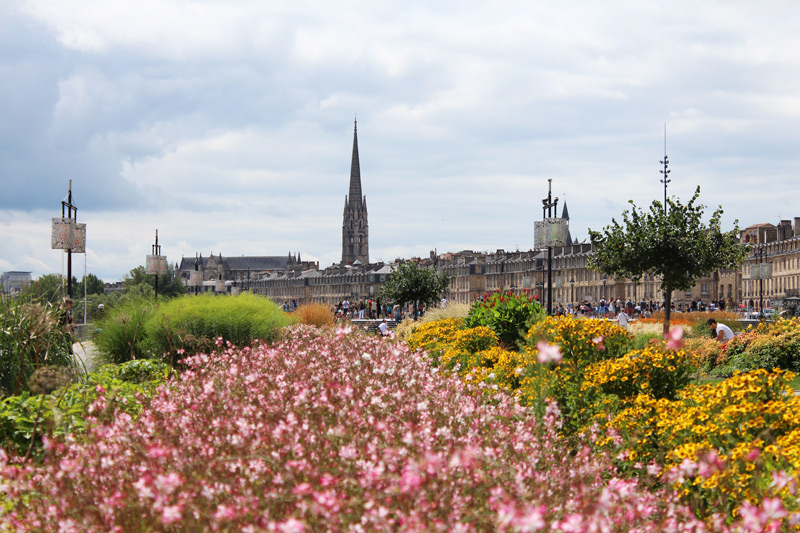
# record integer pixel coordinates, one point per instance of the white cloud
(228, 125)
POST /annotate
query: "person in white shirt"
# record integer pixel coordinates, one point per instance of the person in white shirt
(622, 319)
(723, 332)
(384, 328)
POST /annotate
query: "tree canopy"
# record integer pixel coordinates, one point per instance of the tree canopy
(671, 242)
(168, 284)
(411, 283)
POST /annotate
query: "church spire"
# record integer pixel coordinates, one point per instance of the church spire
(355, 171)
(355, 228)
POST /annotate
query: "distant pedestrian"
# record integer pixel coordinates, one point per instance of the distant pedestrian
(622, 319)
(723, 332)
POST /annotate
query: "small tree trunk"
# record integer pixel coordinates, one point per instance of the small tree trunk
(667, 308)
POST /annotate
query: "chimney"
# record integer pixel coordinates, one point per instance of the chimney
(796, 226)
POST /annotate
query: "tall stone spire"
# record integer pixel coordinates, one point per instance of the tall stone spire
(355, 171)
(355, 228)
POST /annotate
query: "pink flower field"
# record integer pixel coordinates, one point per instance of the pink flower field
(327, 431)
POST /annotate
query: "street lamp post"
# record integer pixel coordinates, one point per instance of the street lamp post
(572, 293)
(68, 235)
(604, 287)
(548, 204)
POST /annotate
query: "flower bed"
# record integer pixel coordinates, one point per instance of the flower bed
(327, 431)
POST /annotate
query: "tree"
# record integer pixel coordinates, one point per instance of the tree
(671, 242)
(411, 283)
(168, 284)
(49, 288)
(94, 285)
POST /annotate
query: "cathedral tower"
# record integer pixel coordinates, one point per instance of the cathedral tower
(355, 229)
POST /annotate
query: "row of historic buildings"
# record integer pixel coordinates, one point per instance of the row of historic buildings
(289, 279)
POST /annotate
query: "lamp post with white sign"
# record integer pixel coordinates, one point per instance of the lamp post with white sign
(550, 232)
(156, 264)
(68, 235)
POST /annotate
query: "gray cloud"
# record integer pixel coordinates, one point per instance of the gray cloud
(228, 125)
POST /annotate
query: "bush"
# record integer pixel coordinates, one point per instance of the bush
(24, 419)
(720, 443)
(315, 314)
(433, 337)
(190, 324)
(32, 336)
(583, 342)
(507, 314)
(121, 334)
(655, 371)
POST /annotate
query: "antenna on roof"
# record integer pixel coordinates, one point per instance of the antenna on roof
(666, 171)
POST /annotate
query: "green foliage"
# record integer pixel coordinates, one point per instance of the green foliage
(673, 244)
(191, 324)
(411, 283)
(169, 285)
(25, 418)
(32, 336)
(583, 342)
(121, 336)
(93, 284)
(48, 288)
(508, 315)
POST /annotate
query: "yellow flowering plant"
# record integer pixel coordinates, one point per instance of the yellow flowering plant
(720, 444)
(655, 371)
(582, 342)
(434, 337)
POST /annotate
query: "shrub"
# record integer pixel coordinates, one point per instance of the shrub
(315, 314)
(121, 334)
(464, 348)
(190, 324)
(655, 371)
(32, 336)
(507, 314)
(583, 342)
(708, 351)
(24, 419)
(434, 337)
(721, 444)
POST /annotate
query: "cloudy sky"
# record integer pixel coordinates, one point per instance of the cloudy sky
(228, 125)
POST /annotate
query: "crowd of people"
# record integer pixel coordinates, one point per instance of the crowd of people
(373, 309)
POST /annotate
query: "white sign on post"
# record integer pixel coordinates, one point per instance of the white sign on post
(550, 232)
(67, 235)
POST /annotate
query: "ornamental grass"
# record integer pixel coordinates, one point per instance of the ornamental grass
(315, 314)
(326, 431)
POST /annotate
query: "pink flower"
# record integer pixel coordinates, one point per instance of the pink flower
(753, 455)
(171, 514)
(548, 353)
(599, 342)
(675, 338)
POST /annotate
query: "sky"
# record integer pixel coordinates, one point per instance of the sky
(228, 125)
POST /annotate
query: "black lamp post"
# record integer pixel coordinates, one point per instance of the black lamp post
(70, 212)
(548, 204)
(572, 292)
(604, 287)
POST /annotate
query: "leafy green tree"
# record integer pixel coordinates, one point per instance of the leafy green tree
(411, 283)
(47, 288)
(671, 242)
(94, 285)
(168, 284)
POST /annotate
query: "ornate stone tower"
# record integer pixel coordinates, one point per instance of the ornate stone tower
(355, 229)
